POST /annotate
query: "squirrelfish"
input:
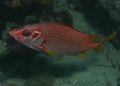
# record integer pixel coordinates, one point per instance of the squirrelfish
(58, 39)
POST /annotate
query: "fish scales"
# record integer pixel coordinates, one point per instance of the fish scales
(63, 39)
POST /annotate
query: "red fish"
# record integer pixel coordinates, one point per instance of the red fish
(57, 39)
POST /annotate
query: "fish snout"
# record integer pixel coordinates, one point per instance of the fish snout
(15, 32)
(11, 33)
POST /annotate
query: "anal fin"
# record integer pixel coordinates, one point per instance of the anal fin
(98, 49)
(82, 54)
(50, 52)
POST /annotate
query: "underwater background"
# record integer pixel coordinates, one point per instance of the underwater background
(22, 66)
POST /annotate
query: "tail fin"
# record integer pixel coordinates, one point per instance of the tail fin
(109, 37)
(99, 48)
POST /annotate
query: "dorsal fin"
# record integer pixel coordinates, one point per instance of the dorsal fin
(55, 23)
(94, 37)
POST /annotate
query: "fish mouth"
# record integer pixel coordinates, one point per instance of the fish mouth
(11, 34)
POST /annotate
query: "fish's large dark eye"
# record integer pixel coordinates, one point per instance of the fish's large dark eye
(26, 33)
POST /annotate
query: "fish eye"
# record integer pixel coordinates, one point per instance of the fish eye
(26, 33)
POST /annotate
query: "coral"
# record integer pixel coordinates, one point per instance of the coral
(76, 5)
(3, 49)
(112, 7)
(13, 3)
(2, 76)
(59, 5)
(44, 2)
(3, 42)
(3, 84)
(44, 79)
(7, 84)
(5, 34)
(27, 1)
(31, 19)
(11, 84)
(62, 16)
(17, 3)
